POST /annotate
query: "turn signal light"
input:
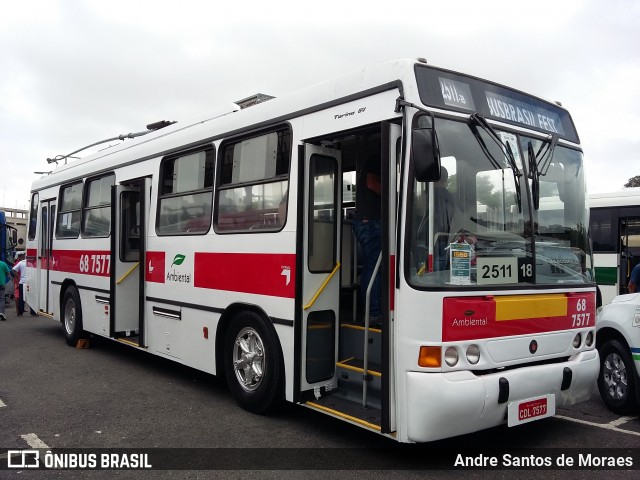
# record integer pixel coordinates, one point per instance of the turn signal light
(430, 357)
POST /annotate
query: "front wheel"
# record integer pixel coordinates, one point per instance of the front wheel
(252, 363)
(617, 377)
(72, 316)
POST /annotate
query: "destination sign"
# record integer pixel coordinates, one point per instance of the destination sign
(451, 90)
(456, 94)
(531, 115)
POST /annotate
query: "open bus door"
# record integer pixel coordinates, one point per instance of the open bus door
(130, 206)
(320, 268)
(44, 259)
(629, 255)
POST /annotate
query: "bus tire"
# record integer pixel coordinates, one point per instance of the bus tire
(617, 378)
(72, 316)
(252, 363)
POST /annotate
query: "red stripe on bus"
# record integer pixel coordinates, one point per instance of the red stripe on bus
(155, 267)
(86, 262)
(260, 273)
(472, 318)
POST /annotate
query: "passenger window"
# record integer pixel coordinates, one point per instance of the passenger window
(96, 214)
(252, 195)
(68, 223)
(33, 216)
(186, 193)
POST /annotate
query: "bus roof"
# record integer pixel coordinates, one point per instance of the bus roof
(621, 198)
(231, 119)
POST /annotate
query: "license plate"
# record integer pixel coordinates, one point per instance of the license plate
(531, 409)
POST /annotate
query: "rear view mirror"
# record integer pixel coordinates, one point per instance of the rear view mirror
(426, 154)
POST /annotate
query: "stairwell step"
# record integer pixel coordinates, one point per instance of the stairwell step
(357, 365)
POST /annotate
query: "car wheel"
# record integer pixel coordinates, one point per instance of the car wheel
(617, 378)
(72, 316)
(252, 363)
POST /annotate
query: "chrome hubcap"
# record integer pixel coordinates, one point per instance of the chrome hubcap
(248, 359)
(69, 317)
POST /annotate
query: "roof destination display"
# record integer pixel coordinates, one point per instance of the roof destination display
(440, 88)
(525, 113)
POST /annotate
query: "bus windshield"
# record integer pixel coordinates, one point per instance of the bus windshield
(479, 224)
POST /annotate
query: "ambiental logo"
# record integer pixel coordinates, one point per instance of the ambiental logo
(178, 259)
(176, 275)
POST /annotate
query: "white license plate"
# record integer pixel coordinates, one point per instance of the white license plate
(531, 409)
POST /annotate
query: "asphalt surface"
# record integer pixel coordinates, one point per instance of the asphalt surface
(111, 396)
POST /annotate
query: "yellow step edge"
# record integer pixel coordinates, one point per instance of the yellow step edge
(128, 342)
(358, 327)
(344, 416)
(357, 369)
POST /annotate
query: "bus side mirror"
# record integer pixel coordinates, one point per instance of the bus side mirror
(426, 154)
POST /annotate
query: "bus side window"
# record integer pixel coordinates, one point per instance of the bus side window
(186, 193)
(254, 183)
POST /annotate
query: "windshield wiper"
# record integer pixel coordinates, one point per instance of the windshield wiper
(477, 120)
(539, 163)
(544, 155)
(534, 174)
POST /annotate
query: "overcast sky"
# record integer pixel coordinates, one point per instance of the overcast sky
(75, 72)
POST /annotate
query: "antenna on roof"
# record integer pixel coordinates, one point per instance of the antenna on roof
(152, 127)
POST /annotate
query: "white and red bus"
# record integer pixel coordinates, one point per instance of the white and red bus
(226, 244)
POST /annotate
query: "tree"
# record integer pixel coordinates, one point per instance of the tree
(633, 182)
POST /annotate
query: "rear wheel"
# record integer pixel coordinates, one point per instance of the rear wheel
(252, 363)
(617, 378)
(72, 316)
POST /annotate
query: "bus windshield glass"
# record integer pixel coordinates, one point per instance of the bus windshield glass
(479, 225)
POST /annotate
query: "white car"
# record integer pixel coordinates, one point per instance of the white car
(618, 342)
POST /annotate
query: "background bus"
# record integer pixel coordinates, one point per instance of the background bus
(221, 243)
(8, 240)
(17, 218)
(615, 233)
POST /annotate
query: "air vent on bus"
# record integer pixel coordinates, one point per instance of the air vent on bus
(253, 100)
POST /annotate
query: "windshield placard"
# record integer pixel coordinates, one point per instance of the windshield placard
(497, 270)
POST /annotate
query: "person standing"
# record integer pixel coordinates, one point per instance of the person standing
(5, 275)
(634, 279)
(16, 290)
(367, 230)
(20, 270)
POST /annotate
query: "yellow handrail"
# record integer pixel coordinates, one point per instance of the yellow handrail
(322, 287)
(127, 274)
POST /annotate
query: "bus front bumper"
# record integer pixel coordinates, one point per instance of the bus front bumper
(441, 405)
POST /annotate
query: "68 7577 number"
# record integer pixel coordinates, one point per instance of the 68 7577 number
(96, 264)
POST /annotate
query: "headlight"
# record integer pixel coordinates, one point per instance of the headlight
(473, 354)
(589, 341)
(577, 340)
(451, 356)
